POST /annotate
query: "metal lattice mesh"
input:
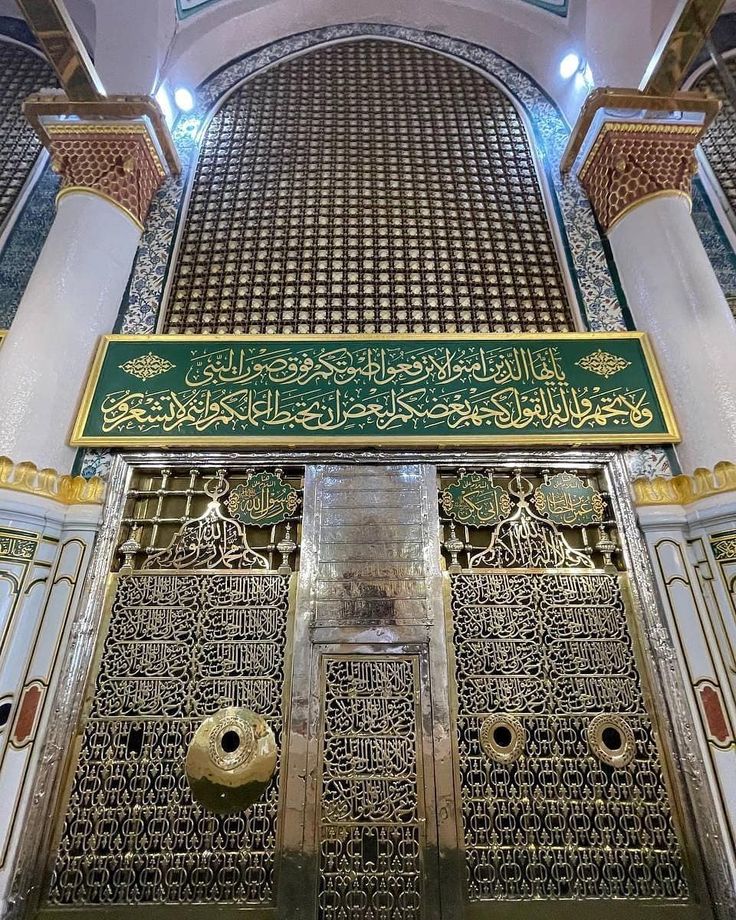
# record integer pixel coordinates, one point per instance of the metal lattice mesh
(368, 186)
(719, 144)
(21, 73)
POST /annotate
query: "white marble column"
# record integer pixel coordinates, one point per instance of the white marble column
(45, 547)
(110, 165)
(674, 295)
(72, 298)
(637, 173)
(689, 524)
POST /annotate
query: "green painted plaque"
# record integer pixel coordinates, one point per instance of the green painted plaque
(401, 390)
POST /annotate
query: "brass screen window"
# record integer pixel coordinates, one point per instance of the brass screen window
(368, 186)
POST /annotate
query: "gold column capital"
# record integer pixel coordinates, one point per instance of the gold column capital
(47, 483)
(633, 161)
(684, 490)
(637, 146)
(118, 148)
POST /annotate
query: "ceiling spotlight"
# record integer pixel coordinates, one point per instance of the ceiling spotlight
(570, 65)
(164, 102)
(184, 99)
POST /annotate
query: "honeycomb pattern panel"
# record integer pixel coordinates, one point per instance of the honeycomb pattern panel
(367, 186)
(21, 73)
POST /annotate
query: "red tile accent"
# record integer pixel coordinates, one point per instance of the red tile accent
(25, 721)
(715, 715)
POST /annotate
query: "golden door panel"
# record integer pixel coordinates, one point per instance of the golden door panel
(199, 621)
(371, 815)
(502, 761)
(563, 797)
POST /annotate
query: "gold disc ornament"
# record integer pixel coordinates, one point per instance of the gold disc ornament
(231, 760)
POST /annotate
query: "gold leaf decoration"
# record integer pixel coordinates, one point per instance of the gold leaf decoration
(147, 366)
(603, 363)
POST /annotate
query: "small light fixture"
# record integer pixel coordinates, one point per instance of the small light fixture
(164, 102)
(184, 99)
(570, 65)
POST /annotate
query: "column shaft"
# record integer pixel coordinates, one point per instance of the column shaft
(674, 295)
(72, 298)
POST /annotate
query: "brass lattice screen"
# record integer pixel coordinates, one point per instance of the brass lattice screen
(368, 186)
(21, 73)
(719, 144)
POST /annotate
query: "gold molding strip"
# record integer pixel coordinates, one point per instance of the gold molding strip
(680, 45)
(58, 36)
(634, 101)
(664, 193)
(684, 490)
(68, 490)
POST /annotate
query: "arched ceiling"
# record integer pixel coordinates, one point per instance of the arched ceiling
(186, 8)
(140, 44)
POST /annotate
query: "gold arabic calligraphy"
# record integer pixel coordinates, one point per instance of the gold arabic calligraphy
(376, 388)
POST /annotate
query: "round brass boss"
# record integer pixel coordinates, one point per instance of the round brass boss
(502, 738)
(611, 740)
(231, 760)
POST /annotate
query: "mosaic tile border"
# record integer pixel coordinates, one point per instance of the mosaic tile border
(598, 297)
(23, 246)
(29, 225)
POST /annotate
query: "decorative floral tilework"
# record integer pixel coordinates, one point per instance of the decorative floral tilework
(647, 463)
(720, 252)
(23, 246)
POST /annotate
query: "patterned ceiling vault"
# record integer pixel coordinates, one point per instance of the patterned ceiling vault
(186, 8)
(368, 186)
(21, 72)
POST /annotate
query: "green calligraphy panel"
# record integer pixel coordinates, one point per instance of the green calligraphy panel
(407, 390)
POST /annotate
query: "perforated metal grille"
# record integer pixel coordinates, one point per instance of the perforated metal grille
(21, 73)
(719, 144)
(368, 186)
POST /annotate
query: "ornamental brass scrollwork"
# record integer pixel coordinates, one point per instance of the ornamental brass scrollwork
(554, 649)
(525, 539)
(502, 738)
(473, 499)
(263, 499)
(563, 795)
(611, 740)
(372, 821)
(565, 499)
(181, 643)
(211, 541)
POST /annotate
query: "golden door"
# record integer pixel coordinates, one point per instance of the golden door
(449, 660)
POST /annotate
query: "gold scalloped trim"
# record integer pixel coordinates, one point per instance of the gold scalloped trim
(69, 490)
(683, 490)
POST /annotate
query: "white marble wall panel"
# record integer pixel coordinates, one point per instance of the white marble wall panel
(44, 553)
(702, 623)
